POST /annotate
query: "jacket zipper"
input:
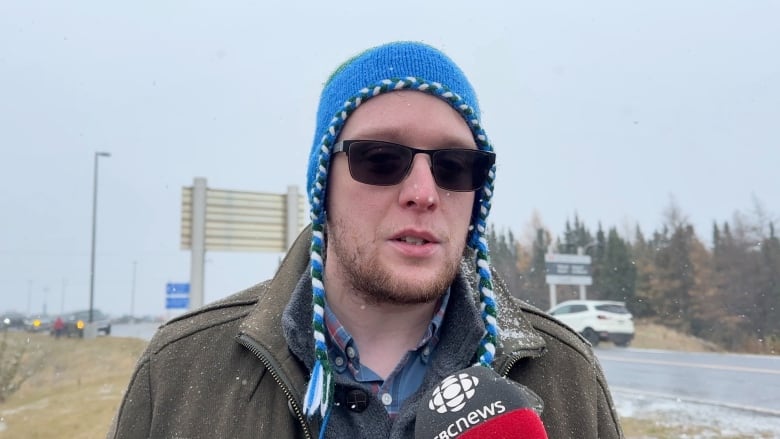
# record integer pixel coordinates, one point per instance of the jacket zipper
(263, 355)
(510, 363)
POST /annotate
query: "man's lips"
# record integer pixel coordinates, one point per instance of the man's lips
(412, 240)
(415, 238)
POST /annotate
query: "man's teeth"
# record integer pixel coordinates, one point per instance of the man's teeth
(413, 240)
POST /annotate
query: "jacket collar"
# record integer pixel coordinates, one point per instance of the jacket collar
(518, 338)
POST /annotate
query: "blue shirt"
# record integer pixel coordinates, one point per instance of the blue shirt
(408, 374)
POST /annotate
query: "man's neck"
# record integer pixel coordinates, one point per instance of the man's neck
(383, 332)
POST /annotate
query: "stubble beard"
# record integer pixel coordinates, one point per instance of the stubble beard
(375, 283)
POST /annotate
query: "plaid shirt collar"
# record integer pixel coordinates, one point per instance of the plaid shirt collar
(341, 339)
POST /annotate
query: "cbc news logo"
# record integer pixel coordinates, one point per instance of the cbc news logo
(451, 395)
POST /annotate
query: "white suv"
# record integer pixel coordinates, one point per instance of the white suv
(597, 320)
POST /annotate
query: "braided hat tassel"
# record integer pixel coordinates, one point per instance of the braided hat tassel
(319, 394)
(488, 308)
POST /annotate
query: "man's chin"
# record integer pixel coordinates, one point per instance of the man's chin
(384, 279)
(404, 297)
(404, 289)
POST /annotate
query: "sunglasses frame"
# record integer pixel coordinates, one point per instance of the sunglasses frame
(344, 146)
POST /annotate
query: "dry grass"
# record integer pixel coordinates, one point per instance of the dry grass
(75, 388)
(654, 336)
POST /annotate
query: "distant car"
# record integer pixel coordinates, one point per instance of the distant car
(38, 324)
(77, 321)
(597, 320)
(11, 320)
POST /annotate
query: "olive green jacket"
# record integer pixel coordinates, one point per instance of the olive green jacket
(238, 368)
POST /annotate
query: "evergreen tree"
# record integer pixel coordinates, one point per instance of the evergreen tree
(768, 300)
(674, 279)
(574, 237)
(535, 283)
(503, 258)
(568, 239)
(643, 256)
(618, 274)
(732, 281)
(705, 310)
(598, 264)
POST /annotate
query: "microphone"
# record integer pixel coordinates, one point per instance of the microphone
(479, 403)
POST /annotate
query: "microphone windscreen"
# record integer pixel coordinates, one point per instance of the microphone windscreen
(479, 403)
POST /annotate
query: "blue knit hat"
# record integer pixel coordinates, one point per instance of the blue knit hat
(384, 69)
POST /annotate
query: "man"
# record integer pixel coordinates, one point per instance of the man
(376, 302)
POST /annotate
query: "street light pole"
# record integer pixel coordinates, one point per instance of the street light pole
(94, 222)
(132, 295)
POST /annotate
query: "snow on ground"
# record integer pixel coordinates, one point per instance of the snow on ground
(713, 420)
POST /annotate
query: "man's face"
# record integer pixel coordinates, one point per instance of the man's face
(398, 244)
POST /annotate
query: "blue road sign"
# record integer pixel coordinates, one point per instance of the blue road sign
(177, 296)
(172, 288)
(177, 302)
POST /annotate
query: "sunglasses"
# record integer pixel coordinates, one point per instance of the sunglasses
(385, 164)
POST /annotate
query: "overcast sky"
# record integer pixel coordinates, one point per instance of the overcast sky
(607, 109)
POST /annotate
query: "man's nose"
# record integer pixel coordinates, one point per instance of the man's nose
(419, 190)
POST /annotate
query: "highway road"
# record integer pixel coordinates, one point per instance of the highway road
(740, 381)
(704, 394)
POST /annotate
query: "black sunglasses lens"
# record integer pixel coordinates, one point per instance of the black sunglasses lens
(379, 163)
(461, 169)
(385, 164)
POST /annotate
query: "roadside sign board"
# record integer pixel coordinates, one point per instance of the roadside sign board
(567, 269)
(244, 221)
(177, 295)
